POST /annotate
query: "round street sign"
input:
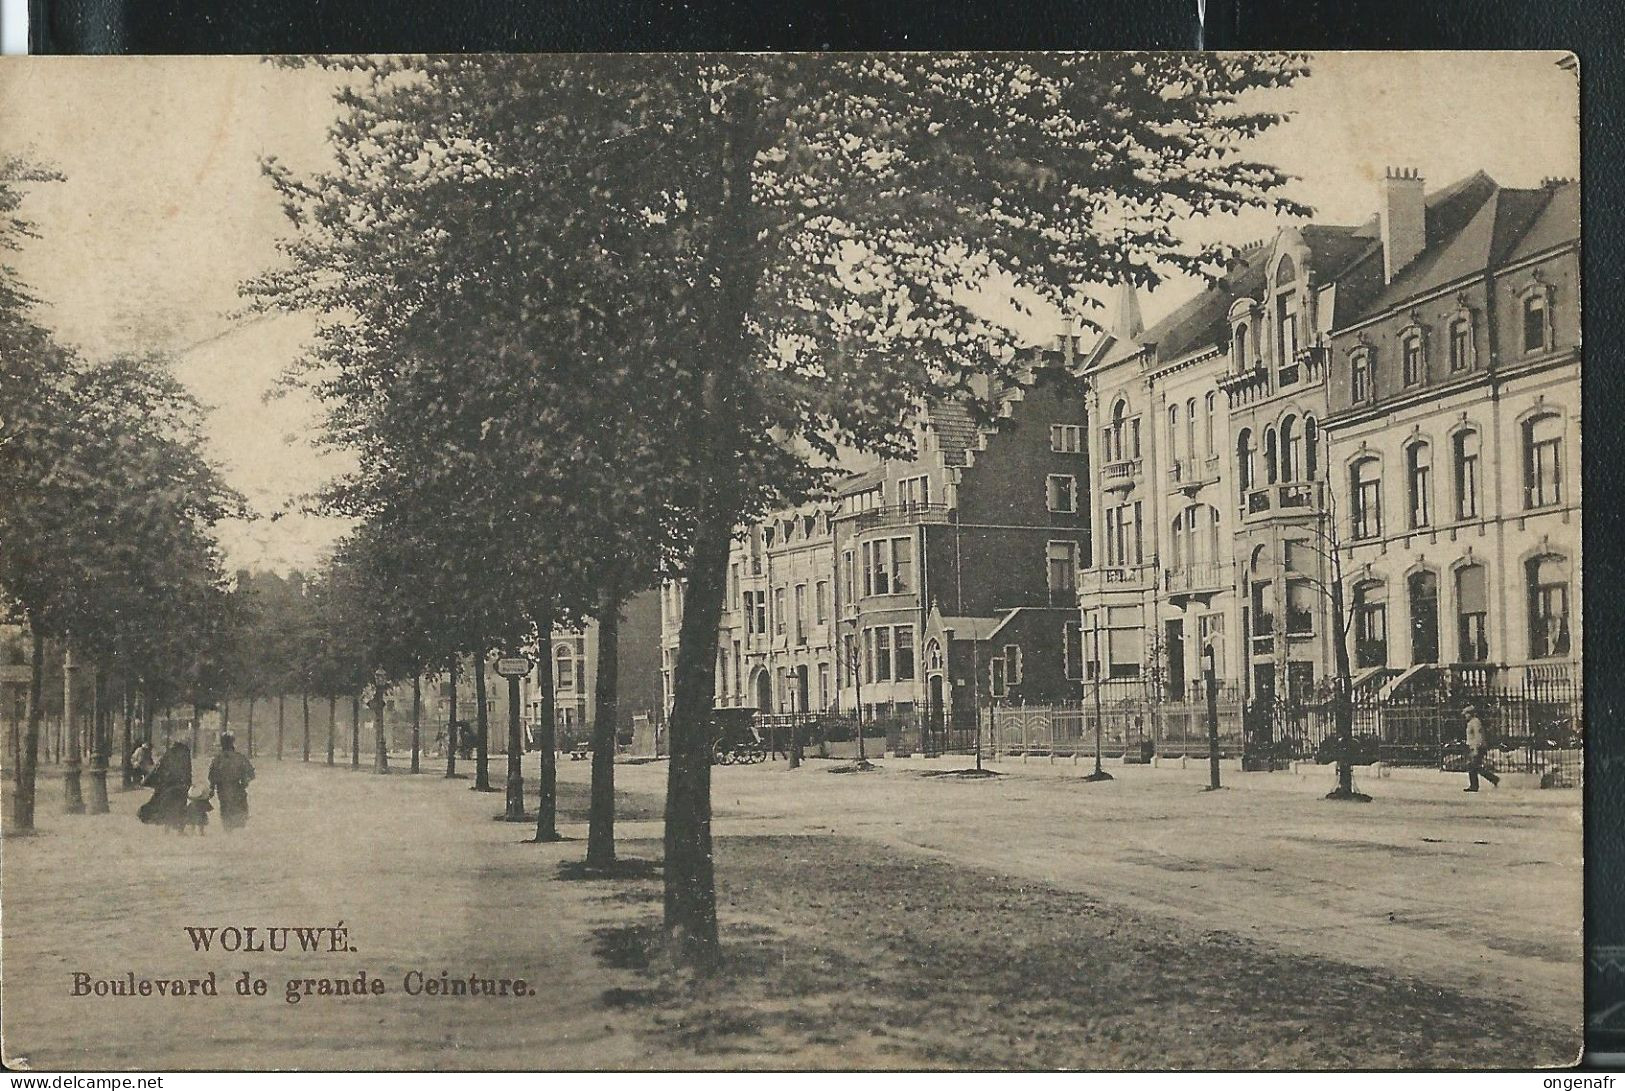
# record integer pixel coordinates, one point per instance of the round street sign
(513, 666)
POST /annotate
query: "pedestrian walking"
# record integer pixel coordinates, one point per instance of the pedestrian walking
(141, 761)
(171, 781)
(1478, 747)
(229, 775)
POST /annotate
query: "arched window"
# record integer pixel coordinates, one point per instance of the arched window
(1362, 386)
(1286, 272)
(1370, 624)
(1286, 313)
(1272, 468)
(1461, 343)
(1214, 552)
(1548, 580)
(1176, 542)
(1212, 404)
(1419, 483)
(1239, 347)
(1244, 461)
(1465, 447)
(1413, 356)
(564, 677)
(1173, 431)
(1365, 495)
(1291, 456)
(1543, 460)
(1190, 428)
(1536, 320)
(1472, 614)
(1422, 589)
(1311, 445)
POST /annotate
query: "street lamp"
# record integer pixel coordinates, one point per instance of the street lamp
(1211, 680)
(1100, 674)
(855, 666)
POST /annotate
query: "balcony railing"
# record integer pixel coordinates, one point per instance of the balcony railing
(900, 515)
(1192, 473)
(1109, 578)
(1293, 498)
(1204, 576)
(1121, 474)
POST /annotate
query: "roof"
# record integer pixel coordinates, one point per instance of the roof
(955, 428)
(965, 627)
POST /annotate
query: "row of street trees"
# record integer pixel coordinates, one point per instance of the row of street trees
(583, 317)
(107, 507)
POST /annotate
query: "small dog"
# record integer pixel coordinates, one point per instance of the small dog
(197, 814)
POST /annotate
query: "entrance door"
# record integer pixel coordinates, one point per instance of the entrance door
(1176, 660)
(1424, 596)
(934, 703)
(802, 703)
(764, 691)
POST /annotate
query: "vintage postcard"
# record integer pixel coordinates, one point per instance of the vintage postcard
(843, 561)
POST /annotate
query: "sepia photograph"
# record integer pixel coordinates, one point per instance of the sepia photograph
(792, 561)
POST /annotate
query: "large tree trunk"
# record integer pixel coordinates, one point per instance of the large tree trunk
(22, 802)
(380, 745)
(332, 726)
(100, 735)
(514, 811)
(73, 801)
(691, 899)
(304, 705)
(547, 796)
(417, 719)
(482, 737)
(355, 731)
(605, 722)
(126, 770)
(451, 720)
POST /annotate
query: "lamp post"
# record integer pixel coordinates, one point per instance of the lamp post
(74, 800)
(1100, 674)
(513, 668)
(380, 756)
(855, 665)
(1211, 680)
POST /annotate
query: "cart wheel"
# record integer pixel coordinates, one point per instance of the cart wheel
(728, 757)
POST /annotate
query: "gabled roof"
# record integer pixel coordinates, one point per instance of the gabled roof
(955, 428)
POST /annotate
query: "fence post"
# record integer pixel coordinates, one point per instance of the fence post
(1026, 743)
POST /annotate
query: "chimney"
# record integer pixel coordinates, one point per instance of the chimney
(1127, 324)
(1404, 220)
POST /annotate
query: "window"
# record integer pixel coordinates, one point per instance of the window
(903, 648)
(564, 677)
(1263, 612)
(1123, 535)
(1311, 444)
(995, 677)
(1124, 640)
(1272, 465)
(1412, 358)
(823, 685)
(1190, 427)
(1066, 439)
(1365, 479)
(1212, 402)
(1300, 683)
(1370, 624)
(733, 583)
(914, 492)
(1461, 344)
(1063, 573)
(801, 613)
(1361, 387)
(1291, 449)
(1012, 664)
(1419, 474)
(1072, 657)
(1472, 614)
(1173, 431)
(1542, 461)
(1548, 579)
(778, 611)
(1239, 347)
(1300, 607)
(902, 550)
(1535, 318)
(848, 581)
(1244, 461)
(1422, 588)
(1062, 492)
(821, 602)
(1466, 458)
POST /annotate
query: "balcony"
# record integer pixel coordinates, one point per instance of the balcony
(1121, 475)
(1202, 578)
(1292, 499)
(1187, 475)
(898, 515)
(1116, 578)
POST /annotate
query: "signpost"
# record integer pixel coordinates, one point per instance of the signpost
(513, 668)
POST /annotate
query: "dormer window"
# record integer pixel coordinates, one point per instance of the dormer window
(1461, 342)
(1362, 387)
(1286, 316)
(1413, 355)
(1238, 345)
(1537, 318)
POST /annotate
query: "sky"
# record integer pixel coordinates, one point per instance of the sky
(164, 211)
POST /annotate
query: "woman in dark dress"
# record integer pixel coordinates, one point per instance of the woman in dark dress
(171, 780)
(229, 775)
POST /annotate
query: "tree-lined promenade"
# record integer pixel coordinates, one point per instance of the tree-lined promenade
(580, 318)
